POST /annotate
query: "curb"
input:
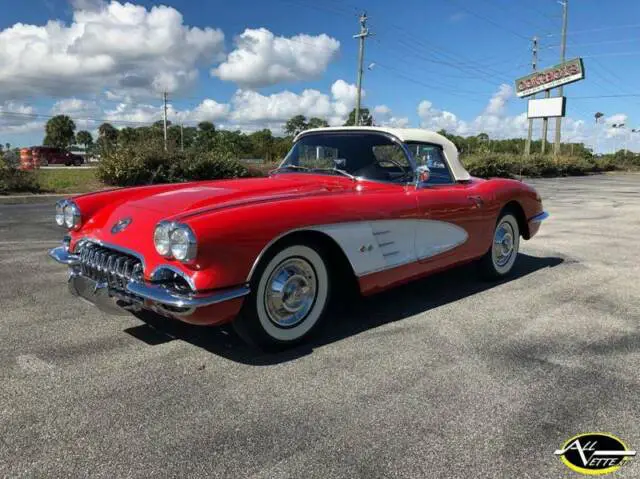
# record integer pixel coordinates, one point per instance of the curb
(32, 199)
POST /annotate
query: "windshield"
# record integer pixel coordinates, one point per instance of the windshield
(365, 155)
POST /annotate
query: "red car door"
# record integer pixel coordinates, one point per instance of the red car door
(456, 221)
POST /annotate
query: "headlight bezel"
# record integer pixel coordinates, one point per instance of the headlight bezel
(59, 217)
(167, 226)
(68, 215)
(190, 243)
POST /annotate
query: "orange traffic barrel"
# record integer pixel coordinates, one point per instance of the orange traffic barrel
(35, 158)
(26, 159)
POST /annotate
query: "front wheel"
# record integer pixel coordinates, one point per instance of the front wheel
(501, 257)
(289, 296)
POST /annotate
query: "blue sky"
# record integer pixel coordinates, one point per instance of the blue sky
(452, 54)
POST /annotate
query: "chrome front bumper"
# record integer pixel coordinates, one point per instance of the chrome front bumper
(154, 292)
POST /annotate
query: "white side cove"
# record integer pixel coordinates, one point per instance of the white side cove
(373, 246)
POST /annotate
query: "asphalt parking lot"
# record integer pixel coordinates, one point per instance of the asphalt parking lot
(448, 377)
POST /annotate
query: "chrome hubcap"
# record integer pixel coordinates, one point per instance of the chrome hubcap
(291, 292)
(503, 244)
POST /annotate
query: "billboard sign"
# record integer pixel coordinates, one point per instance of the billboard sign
(567, 72)
(547, 107)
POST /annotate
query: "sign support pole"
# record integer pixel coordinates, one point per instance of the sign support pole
(545, 126)
(534, 64)
(563, 48)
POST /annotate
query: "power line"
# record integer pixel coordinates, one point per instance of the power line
(613, 54)
(620, 95)
(608, 42)
(603, 29)
(512, 8)
(488, 20)
(450, 91)
(97, 120)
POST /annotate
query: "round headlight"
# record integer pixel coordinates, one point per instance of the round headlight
(161, 238)
(60, 212)
(183, 243)
(71, 215)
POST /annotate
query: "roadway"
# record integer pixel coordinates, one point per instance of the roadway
(448, 377)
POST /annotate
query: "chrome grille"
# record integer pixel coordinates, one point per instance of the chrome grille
(106, 265)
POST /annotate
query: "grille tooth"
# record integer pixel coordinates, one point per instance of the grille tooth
(91, 265)
(106, 265)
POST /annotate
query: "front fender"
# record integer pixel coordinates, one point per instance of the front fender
(230, 241)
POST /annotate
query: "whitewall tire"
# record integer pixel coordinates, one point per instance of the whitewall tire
(289, 296)
(498, 262)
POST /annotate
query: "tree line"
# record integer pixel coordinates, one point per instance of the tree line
(60, 131)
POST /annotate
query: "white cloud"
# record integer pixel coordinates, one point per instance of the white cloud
(616, 119)
(498, 102)
(493, 119)
(124, 114)
(138, 113)
(17, 118)
(76, 107)
(208, 110)
(435, 119)
(383, 116)
(247, 110)
(260, 58)
(123, 47)
(382, 110)
(91, 5)
(250, 107)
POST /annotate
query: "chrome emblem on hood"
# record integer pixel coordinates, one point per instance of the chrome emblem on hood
(121, 225)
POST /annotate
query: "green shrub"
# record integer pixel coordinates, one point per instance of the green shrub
(17, 181)
(259, 170)
(506, 165)
(140, 165)
(487, 165)
(211, 166)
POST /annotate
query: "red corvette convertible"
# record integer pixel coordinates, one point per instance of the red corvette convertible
(375, 206)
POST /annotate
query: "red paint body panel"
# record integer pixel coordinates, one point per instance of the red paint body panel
(235, 220)
(213, 315)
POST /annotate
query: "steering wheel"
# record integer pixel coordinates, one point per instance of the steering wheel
(406, 170)
(393, 162)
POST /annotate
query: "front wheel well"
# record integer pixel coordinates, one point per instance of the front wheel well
(337, 261)
(516, 209)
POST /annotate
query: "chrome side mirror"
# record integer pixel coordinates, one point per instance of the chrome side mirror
(423, 173)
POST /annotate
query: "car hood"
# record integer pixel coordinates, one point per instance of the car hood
(195, 198)
(181, 201)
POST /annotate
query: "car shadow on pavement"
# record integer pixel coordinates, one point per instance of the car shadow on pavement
(358, 315)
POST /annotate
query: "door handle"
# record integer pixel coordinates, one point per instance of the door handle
(477, 200)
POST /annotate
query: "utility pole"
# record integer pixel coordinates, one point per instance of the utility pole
(164, 97)
(534, 65)
(364, 33)
(563, 49)
(545, 126)
(181, 136)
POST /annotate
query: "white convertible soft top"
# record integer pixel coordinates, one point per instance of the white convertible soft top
(411, 134)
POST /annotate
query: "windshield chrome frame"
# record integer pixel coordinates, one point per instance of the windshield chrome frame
(389, 136)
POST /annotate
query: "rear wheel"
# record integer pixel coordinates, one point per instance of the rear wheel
(501, 257)
(289, 297)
